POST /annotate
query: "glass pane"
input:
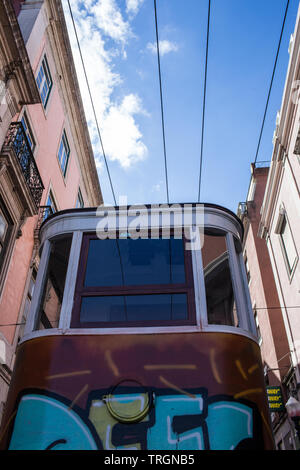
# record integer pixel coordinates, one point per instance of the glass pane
(3, 226)
(117, 262)
(219, 292)
(288, 244)
(54, 285)
(134, 308)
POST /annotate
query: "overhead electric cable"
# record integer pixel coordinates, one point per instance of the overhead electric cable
(204, 100)
(92, 103)
(271, 84)
(161, 102)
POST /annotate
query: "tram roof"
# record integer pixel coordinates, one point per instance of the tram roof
(147, 206)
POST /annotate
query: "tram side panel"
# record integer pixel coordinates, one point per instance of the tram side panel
(184, 391)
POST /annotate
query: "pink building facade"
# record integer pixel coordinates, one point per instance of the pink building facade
(265, 301)
(51, 132)
(280, 212)
(272, 251)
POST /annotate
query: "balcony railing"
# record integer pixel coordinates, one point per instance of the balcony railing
(17, 141)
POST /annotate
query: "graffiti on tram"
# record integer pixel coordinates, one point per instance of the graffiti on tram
(158, 420)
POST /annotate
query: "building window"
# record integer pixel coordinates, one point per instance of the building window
(247, 269)
(63, 153)
(44, 81)
(259, 337)
(27, 302)
(287, 243)
(52, 205)
(28, 131)
(144, 282)
(6, 226)
(79, 201)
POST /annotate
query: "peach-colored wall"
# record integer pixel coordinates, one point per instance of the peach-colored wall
(47, 126)
(16, 278)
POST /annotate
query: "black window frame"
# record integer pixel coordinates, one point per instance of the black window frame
(82, 291)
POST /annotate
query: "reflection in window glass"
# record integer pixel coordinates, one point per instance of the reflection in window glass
(118, 262)
(134, 308)
(54, 284)
(219, 292)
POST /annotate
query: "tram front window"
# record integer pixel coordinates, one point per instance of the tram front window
(51, 300)
(220, 301)
(130, 282)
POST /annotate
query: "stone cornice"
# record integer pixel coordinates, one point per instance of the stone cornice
(15, 64)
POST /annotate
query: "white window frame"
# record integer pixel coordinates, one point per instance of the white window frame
(24, 119)
(44, 79)
(282, 224)
(63, 153)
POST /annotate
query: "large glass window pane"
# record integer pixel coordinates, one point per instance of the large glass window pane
(118, 262)
(288, 244)
(134, 308)
(219, 292)
(53, 291)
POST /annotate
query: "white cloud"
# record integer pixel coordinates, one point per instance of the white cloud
(165, 47)
(122, 135)
(132, 6)
(96, 21)
(109, 19)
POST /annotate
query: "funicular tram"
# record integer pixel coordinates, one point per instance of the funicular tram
(140, 336)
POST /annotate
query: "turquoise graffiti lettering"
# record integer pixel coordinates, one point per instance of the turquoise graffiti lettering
(43, 422)
(174, 422)
(163, 433)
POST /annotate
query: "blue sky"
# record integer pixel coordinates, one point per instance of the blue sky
(117, 39)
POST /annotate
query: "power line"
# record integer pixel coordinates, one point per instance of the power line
(161, 101)
(92, 102)
(270, 88)
(204, 100)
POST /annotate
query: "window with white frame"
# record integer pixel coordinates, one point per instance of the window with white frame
(79, 200)
(44, 81)
(28, 131)
(64, 153)
(257, 325)
(27, 302)
(51, 206)
(287, 243)
(247, 269)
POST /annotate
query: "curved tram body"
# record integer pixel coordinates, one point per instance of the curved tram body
(140, 336)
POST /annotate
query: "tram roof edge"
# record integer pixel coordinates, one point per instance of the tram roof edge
(147, 206)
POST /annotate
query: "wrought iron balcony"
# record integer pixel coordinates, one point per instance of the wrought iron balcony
(16, 140)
